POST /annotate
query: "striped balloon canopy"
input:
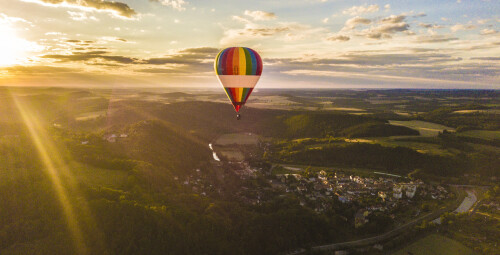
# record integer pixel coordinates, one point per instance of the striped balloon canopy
(238, 70)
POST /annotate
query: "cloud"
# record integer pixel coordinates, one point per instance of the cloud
(260, 15)
(353, 22)
(381, 28)
(11, 20)
(459, 27)
(94, 56)
(487, 58)
(393, 19)
(482, 21)
(175, 4)
(435, 38)
(80, 16)
(286, 31)
(55, 33)
(488, 31)
(338, 38)
(373, 67)
(433, 26)
(362, 9)
(38, 69)
(117, 8)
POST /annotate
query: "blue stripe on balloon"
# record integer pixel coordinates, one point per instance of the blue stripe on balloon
(221, 60)
(254, 61)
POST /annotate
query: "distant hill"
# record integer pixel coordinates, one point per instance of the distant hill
(164, 146)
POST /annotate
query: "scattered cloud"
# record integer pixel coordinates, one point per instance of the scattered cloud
(325, 20)
(427, 25)
(11, 20)
(362, 9)
(81, 16)
(54, 33)
(260, 15)
(459, 27)
(285, 31)
(353, 22)
(175, 4)
(381, 28)
(342, 38)
(488, 31)
(117, 8)
(488, 58)
(435, 38)
(90, 57)
(482, 21)
(19, 69)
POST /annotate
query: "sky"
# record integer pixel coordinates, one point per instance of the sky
(303, 43)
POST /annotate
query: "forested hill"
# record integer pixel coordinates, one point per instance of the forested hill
(213, 117)
(155, 142)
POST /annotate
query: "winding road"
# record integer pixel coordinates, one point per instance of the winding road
(464, 206)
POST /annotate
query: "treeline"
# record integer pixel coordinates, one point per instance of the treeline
(463, 122)
(213, 119)
(399, 160)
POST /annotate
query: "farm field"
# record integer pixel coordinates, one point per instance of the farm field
(238, 138)
(425, 128)
(482, 134)
(394, 142)
(435, 245)
(232, 154)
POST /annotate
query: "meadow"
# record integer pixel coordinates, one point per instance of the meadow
(436, 244)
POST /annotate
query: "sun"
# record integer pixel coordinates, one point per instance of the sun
(13, 49)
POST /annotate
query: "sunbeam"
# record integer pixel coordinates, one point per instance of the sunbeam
(48, 154)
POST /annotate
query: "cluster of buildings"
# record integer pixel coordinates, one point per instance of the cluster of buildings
(381, 194)
(349, 188)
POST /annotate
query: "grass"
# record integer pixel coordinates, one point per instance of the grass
(232, 154)
(346, 170)
(425, 128)
(98, 176)
(238, 138)
(435, 244)
(482, 134)
(423, 147)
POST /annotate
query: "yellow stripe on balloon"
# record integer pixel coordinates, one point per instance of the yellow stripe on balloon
(243, 61)
(238, 94)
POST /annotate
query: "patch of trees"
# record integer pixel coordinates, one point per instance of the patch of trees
(463, 122)
(400, 160)
(374, 129)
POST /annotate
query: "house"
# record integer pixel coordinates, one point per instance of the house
(397, 191)
(410, 190)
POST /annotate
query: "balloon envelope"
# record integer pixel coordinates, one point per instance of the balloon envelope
(238, 70)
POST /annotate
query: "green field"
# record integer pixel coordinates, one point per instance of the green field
(436, 245)
(482, 134)
(238, 138)
(425, 128)
(234, 154)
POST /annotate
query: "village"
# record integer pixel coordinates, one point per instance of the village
(320, 190)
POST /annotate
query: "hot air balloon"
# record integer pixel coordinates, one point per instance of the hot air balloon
(238, 70)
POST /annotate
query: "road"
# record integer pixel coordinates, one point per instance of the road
(466, 204)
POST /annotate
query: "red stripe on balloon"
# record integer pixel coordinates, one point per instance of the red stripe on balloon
(259, 63)
(229, 62)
